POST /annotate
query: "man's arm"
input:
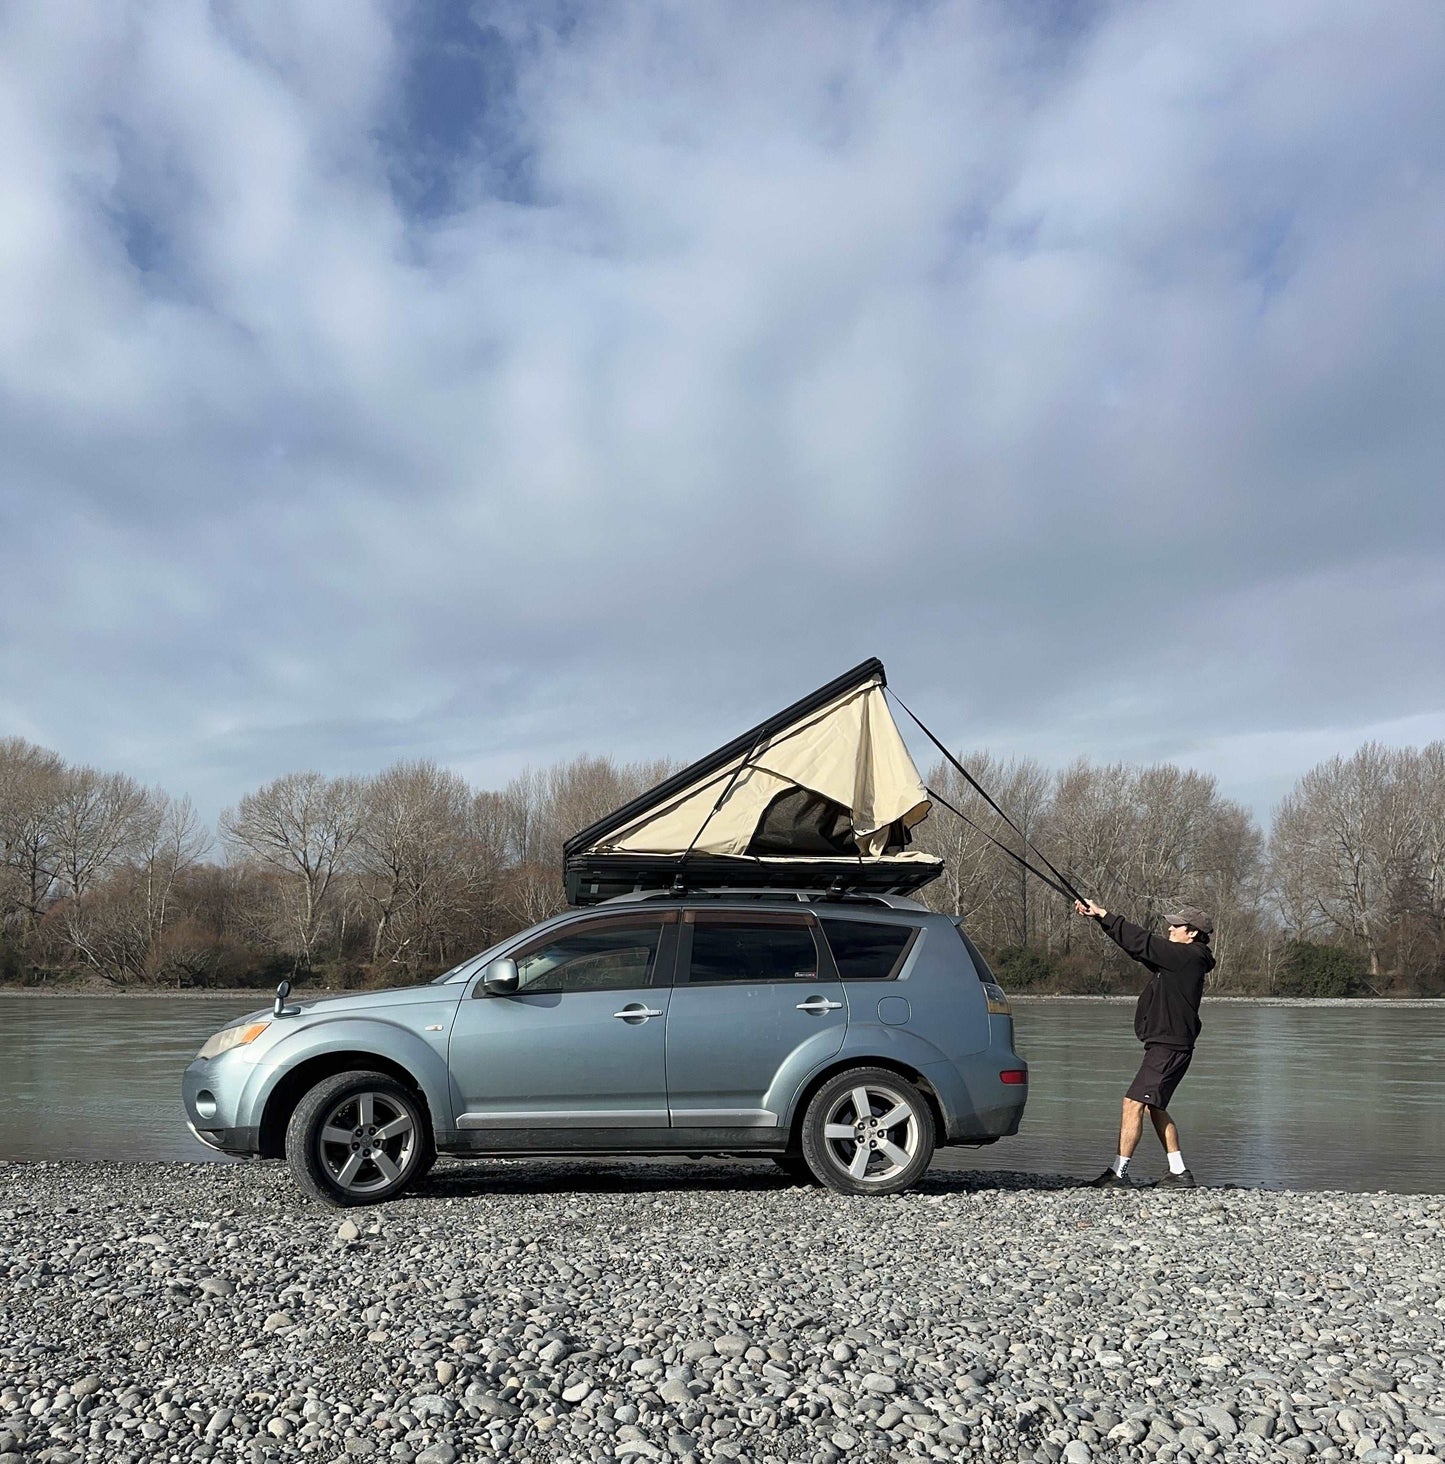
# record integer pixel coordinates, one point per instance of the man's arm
(1151, 950)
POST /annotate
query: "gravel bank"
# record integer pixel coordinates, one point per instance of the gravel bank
(586, 1311)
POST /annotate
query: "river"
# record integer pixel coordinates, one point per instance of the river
(1308, 1096)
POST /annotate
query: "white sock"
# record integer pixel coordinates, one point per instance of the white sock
(1121, 1163)
(1176, 1162)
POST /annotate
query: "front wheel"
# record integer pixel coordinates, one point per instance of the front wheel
(358, 1138)
(868, 1131)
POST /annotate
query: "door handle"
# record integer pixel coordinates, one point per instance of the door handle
(818, 1005)
(637, 1013)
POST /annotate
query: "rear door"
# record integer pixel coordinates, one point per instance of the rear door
(754, 1000)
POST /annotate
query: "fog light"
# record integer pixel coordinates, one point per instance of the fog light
(206, 1103)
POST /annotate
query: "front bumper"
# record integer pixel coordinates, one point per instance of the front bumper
(210, 1096)
(241, 1143)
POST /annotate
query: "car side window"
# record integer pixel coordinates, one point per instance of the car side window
(868, 950)
(727, 949)
(611, 958)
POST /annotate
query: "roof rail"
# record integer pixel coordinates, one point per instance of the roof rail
(803, 897)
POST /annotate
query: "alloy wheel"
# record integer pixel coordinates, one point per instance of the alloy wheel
(366, 1142)
(872, 1133)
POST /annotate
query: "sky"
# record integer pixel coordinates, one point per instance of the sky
(498, 382)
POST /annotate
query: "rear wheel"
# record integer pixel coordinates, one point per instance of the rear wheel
(868, 1131)
(358, 1138)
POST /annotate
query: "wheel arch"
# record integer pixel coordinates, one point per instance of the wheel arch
(841, 1064)
(295, 1083)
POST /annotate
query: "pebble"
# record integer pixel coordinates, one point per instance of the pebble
(539, 1311)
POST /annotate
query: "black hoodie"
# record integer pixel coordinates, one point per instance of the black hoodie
(1168, 1011)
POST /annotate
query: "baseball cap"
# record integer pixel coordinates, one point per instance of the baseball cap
(1192, 916)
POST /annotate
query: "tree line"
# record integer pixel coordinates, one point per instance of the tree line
(390, 879)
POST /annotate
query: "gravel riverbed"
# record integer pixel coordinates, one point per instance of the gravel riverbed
(588, 1311)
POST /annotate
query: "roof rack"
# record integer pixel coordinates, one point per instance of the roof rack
(783, 896)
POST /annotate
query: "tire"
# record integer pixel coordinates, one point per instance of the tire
(380, 1139)
(868, 1131)
(796, 1168)
(423, 1168)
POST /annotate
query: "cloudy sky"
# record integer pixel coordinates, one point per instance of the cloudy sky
(497, 382)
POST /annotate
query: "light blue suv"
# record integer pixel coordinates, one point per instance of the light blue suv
(845, 1038)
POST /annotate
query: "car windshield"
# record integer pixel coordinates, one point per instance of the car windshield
(464, 969)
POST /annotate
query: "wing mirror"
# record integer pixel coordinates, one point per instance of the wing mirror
(500, 978)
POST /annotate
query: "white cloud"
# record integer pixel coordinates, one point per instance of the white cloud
(732, 346)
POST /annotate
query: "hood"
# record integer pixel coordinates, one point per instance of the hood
(370, 1001)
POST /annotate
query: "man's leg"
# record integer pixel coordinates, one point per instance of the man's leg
(1131, 1126)
(1169, 1137)
(1164, 1127)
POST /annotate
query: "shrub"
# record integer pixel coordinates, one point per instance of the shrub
(1311, 969)
(1019, 968)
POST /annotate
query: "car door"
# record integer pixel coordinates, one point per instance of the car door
(749, 1016)
(580, 1043)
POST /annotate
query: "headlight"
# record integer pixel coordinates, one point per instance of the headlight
(231, 1037)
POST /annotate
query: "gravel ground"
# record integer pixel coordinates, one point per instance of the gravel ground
(586, 1311)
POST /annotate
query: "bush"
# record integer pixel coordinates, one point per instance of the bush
(1311, 969)
(1019, 968)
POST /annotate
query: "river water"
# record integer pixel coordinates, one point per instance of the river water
(1310, 1096)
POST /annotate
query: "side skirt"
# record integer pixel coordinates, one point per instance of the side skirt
(627, 1141)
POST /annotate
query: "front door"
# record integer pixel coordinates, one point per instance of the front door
(749, 1017)
(580, 1042)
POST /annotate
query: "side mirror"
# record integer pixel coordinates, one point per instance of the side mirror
(282, 992)
(500, 978)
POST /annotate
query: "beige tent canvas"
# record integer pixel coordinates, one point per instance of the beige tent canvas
(823, 795)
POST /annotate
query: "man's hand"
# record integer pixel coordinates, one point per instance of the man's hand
(1090, 908)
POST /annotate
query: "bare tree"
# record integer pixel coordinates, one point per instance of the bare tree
(31, 781)
(299, 827)
(980, 882)
(409, 855)
(543, 809)
(1345, 839)
(99, 819)
(170, 842)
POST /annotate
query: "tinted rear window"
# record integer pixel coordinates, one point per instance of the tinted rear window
(864, 950)
(735, 951)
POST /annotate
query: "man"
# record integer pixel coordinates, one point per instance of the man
(1166, 1021)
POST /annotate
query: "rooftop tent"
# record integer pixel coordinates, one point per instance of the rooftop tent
(821, 796)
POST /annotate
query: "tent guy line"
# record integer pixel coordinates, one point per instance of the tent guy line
(1061, 882)
(998, 843)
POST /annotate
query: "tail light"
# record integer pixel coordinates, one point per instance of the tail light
(1014, 1075)
(996, 1001)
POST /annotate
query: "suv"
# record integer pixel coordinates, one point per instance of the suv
(845, 1038)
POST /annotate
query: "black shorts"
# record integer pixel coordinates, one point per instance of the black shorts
(1159, 1075)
